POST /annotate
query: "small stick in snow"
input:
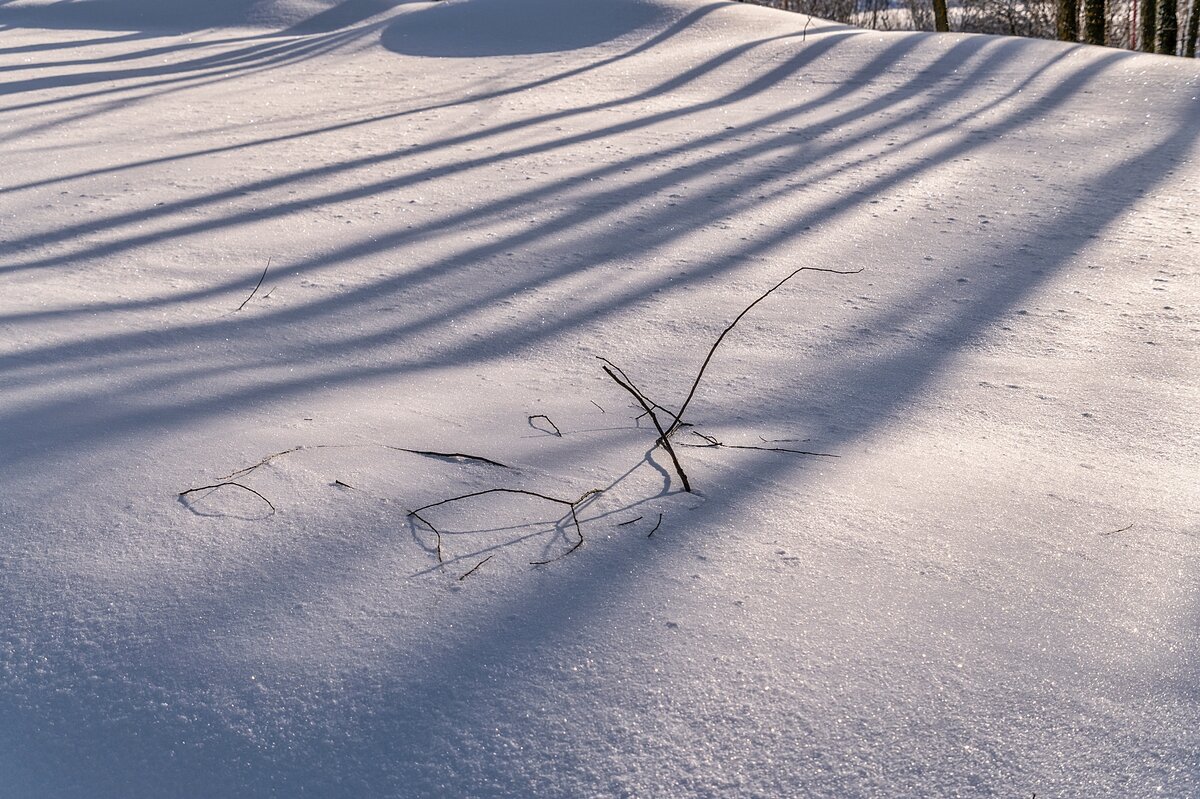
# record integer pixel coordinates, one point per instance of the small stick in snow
(648, 404)
(425, 452)
(549, 421)
(598, 406)
(451, 455)
(656, 526)
(264, 462)
(570, 509)
(1123, 529)
(475, 568)
(663, 440)
(257, 286)
(224, 483)
(711, 441)
(343, 485)
(436, 532)
(631, 521)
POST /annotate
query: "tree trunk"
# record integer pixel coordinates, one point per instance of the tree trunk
(1068, 20)
(1168, 27)
(1093, 21)
(1148, 11)
(1189, 39)
(941, 19)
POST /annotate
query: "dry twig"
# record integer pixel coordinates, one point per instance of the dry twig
(663, 440)
(549, 421)
(436, 532)
(224, 483)
(570, 509)
(711, 441)
(257, 286)
(475, 568)
(457, 456)
(713, 350)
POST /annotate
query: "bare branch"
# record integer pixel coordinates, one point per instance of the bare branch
(642, 399)
(235, 485)
(450, 455)
(263, 462)
(711, 441)
(438, 533)
(570, 510)
(662, 436)
(475, 568)
(712, 351)
(257, 286)
(656, 526)
(549, 421)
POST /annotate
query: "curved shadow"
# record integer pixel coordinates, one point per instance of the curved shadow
(168, 17)
(475, 28)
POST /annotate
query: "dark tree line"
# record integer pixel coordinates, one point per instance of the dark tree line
(1168, 27)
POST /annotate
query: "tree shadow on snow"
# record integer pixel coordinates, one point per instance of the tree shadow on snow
(473, 681)
(165, 16)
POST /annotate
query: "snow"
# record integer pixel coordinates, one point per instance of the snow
(991, 591)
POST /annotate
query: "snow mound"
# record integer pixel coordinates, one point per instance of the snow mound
(299, 16)
(472, 28)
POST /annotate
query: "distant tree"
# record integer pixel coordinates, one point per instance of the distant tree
(941, 19)
(1189, 38)
(1093, 21)
(1147, 20)
(1068, 20)
(1168, 27)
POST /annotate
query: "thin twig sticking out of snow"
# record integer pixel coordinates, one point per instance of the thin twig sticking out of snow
(257, 286)
(712, 351)
(663, 440)
(664, 436)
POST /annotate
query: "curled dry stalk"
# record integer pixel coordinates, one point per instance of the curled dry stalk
(554, 428)
(234, 484)
(571, 508)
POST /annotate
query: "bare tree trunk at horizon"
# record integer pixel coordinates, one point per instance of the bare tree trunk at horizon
(941, 18)
(1189, 38)
(1068, 20)
(1168, 27)
(1094, 21)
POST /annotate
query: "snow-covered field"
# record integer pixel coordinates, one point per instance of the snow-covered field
(992, 590)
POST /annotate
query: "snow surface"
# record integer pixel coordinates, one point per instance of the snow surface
(992, 591)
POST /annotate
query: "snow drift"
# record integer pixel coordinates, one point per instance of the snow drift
(327, 257)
